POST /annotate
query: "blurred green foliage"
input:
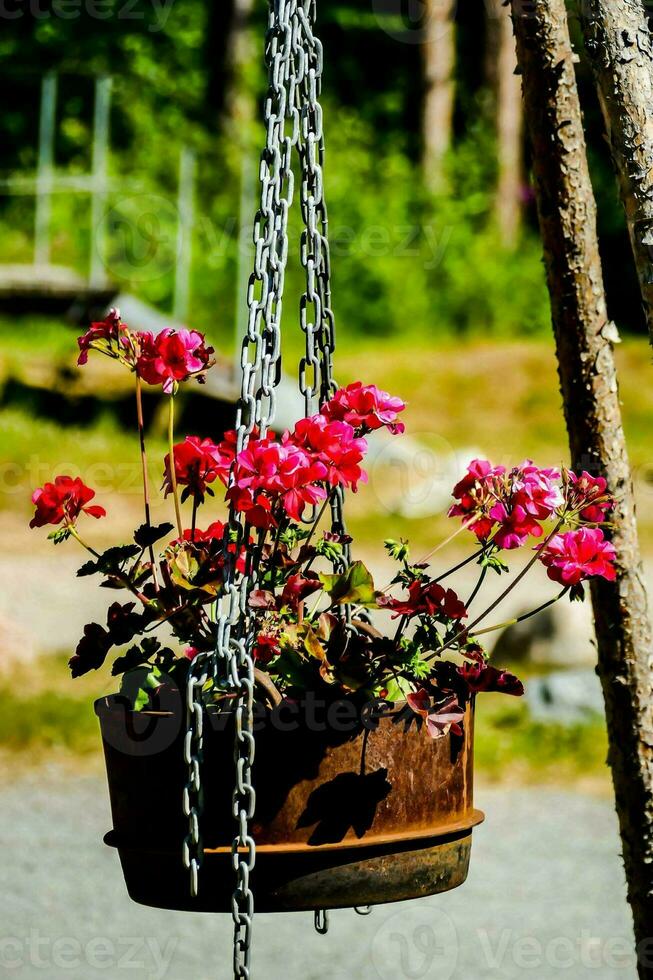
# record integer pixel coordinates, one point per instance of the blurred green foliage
(405, 263)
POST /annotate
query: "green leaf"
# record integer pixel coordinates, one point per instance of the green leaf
(147, 534)
(138, 684)
(59, 535)
(399, 550)
(356, 585)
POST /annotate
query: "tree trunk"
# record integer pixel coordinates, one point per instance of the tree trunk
(620, 49)
(501, 62)
(239, 103)
(438, 63)
(567, 213)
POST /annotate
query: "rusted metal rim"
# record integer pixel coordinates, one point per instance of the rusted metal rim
(444, 830)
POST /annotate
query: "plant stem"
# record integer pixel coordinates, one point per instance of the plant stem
(146, 487)
(75, 534)
(461, 564)
(193, 519)
(520, 619)
(477, 587)
(171, 464)
(499, 600)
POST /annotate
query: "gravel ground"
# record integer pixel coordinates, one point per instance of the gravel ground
(545, 898)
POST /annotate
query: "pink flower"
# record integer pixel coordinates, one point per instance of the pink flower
(334, 444)
(514, 526)
(535, 490)
(109, 336)
(268, 471)
(172, 356)
(577, 555)
(476, 494)
(198, 462)
(365, 407)
(588, 496)
(63, 500)
(426, 599)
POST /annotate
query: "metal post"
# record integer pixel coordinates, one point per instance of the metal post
(45, 169)
(101, 118)
(185, 221)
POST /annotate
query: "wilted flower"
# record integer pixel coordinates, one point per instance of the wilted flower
(588, 496)
(441, 718)
(109, 336)
(426, 599)
(63, 500)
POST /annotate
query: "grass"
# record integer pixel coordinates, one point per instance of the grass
(512, 748)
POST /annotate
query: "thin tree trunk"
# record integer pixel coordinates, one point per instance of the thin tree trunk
(620, 49)
(584, 335)
(239, 102)
(438, 64)
(501, 62)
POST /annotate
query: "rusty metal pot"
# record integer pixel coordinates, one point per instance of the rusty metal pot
(348, 812)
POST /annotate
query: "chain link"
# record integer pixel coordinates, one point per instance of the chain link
(316, 316)
(293, 117)
(260, 373)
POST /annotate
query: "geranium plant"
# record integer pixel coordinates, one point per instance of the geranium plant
(172, 574)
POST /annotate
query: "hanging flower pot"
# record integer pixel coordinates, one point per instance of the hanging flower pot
(351, 780)
(352, 807)
(263, 725)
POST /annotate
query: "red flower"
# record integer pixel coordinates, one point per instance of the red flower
(516, 501)
(110, 336)
(172, 356)
(298, 588)
(334, 444)
(426, 599)
(63, 500)
(577, 555)
(215, 532)
(256, 507)
(587, 495)
(266, 648)
(198, 462)
(365, 407)
(268, 471)
(481, 676)
(476, 494)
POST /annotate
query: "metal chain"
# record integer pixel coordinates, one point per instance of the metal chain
(316, 316)
(260, 366)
